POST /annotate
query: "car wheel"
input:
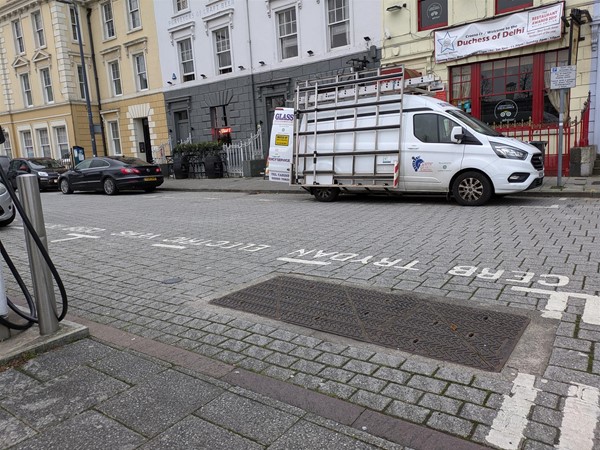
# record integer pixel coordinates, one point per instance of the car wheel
(148, 190)
(65, 187)
(8, 221)
(110, 187)
(327, 194)
(472, 189)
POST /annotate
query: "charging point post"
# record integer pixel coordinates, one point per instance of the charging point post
(43, 286)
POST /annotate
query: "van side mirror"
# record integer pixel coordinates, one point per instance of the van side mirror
(457, 135)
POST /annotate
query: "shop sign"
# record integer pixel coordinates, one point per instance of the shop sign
(497, 35)
(281, 145)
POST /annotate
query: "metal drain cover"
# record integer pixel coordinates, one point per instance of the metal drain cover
(473, 337)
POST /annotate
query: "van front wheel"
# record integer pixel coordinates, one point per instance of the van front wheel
(472, 189)
(327, 194)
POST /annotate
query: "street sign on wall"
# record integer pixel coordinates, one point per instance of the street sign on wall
(563, 77)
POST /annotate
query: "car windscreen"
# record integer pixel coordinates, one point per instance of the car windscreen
(45, 164)
(474, 123)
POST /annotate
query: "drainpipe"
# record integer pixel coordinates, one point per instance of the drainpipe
(95, 67)
(251, 68)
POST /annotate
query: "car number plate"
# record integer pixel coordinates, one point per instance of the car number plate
(150, 179)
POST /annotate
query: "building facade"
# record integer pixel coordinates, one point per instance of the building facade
(43, 109)
(496, 59)
(227, 64)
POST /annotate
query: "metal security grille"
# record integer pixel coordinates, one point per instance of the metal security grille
(464, 335)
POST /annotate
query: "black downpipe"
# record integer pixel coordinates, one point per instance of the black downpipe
(89, 24)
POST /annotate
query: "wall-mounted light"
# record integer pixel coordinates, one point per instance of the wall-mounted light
(241, 68)
(310, 52)
(203, 76)
(170, 83)
(395, 7)
(262, 63)
(367, 39)
(173, 77)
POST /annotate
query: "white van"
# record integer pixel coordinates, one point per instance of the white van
(371, 135)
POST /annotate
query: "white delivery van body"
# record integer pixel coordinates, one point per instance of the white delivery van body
(379, 134)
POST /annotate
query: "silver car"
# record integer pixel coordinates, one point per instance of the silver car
(7, 209)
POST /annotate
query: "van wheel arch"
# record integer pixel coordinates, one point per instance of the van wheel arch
(471, 187)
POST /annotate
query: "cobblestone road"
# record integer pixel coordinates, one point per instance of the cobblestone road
(149, 264)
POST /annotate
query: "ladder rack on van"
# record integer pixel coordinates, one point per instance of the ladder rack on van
(348, 128)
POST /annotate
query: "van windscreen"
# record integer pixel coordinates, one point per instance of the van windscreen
(474, 123)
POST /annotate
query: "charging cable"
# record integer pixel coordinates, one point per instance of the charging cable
(31, 317)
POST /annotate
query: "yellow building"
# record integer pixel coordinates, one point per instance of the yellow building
(496, 59)
(44, 109)
(129, 78)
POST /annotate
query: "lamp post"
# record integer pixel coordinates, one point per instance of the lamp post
(84, 72)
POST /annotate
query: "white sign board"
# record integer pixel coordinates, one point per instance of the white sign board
(563, 77)
(505, 33)
(281, 145)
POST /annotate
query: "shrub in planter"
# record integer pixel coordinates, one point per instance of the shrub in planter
(206, 152)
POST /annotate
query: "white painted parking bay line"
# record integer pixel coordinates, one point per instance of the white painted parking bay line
(541, 207)
(509, 425)
(581, 414)
(304, 261)
(168, 246)
(76, 236)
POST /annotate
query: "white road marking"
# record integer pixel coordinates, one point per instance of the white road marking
(508, 426)
(76, 236)
(212, 198)
(304, 261)
(580, 416)
(168, 246)
(557, 304)
(541, 207)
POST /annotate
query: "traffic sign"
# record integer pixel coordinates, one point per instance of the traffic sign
(563, 77)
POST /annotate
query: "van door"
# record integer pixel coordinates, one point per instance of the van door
(429, 157)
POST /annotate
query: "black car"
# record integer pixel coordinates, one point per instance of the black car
(111, 174)
(47, 170)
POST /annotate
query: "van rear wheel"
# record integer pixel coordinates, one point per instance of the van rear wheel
(326, 194)
(472, 189)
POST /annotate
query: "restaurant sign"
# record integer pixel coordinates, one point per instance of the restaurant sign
(497, 35)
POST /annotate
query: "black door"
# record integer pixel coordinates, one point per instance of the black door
(147, 143)
(272, 103)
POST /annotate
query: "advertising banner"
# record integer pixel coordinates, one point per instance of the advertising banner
(497, 35)
(281, 145)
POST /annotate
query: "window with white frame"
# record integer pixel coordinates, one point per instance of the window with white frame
(115, 138)
(62, 142)
(108, 23)
(339, 23)
(27, 142)
(47, 85)
(44, 140)
(26, 88)
(81, 80)
(181, 5)
(141, 77)
(115, 77)
(18, 35)
(186, 60)
(133, 12)
(74, 33)
(38, 29)
(7, 145)
(223, 50)
(288, 33)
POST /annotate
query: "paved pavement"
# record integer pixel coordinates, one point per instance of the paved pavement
(218, 381)
(567, 187)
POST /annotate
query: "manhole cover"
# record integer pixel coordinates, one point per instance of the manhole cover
(463, 335)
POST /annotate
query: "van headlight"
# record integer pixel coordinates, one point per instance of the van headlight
(508, 152)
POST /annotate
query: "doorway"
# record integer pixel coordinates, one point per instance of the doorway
(147, 143)
(277, 101)
(182, 126)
